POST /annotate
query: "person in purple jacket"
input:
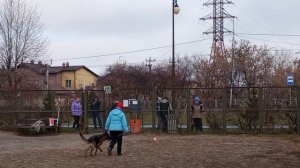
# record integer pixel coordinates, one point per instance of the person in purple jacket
(76, 109)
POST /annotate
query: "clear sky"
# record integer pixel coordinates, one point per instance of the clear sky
(84, 28)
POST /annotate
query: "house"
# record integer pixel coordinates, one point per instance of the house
(72, 77)
(63, 77)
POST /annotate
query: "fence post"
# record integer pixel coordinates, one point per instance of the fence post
(21, 105)
(261, 115)
(85, 106)
(52, 103)
(153, 109)
(121, 97)
(21, 102)
(188, 115)
(298, 111)
(104, 107)
(225, 107)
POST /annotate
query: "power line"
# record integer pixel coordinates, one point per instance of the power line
(246, 25)
(266, 34)
(247, 15)
(107, 65)
(268, 40)
(140, 63)
(128, 52)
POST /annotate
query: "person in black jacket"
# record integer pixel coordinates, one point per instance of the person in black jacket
(95, 108)
(165, 108)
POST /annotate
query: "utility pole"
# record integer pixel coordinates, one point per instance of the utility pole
(232, 62)
(47, 76)
(218, 15)
(175, 10)
(149, 64)
(121, 61)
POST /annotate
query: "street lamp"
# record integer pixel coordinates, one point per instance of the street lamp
(175, 10)
(176, 7)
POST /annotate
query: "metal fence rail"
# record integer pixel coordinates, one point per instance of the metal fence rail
(255, 109)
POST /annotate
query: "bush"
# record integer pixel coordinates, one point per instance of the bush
(214, 122)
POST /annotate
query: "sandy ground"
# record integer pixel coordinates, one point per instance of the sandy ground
(67, 150)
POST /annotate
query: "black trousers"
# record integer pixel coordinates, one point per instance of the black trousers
(164, 122)
(76, 121)
(198, 124)
(116, 137)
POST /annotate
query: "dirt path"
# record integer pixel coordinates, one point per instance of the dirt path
(67, 150)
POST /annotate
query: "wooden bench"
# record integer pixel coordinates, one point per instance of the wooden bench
(26, 126)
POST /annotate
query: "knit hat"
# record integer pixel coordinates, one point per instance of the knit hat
(120, 104)
(197, 98)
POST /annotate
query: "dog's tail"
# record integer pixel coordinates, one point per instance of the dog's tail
(83, 138)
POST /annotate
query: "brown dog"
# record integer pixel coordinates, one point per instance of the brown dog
(94, 142)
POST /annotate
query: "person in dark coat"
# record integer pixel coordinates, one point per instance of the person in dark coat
(97, 115)
(165, 108)
(158, 112)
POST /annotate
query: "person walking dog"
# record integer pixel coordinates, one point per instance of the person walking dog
(116, 125)
(165, 108)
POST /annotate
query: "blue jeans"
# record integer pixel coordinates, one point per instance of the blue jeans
(98, 116)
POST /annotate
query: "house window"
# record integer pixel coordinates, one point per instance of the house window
(68, 83)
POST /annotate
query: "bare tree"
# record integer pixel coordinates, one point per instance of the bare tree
(21, 36)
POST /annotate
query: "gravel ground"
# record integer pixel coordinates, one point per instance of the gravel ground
(67, 150)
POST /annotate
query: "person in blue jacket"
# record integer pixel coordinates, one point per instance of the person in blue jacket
(116, 125)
